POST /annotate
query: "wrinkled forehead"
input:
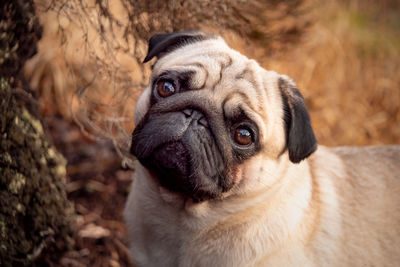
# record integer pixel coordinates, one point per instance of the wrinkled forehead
(219, 71)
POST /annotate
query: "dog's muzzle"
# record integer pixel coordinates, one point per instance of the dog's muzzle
(179, 148)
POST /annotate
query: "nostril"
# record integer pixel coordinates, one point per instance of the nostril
(203, 122)
(188, 112)
(195, 116)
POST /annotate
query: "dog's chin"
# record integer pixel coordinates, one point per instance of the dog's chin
(172, 167)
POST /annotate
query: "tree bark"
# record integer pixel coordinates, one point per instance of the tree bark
(35, 215)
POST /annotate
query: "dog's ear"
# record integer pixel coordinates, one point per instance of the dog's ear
(300, 137)
(161, 44)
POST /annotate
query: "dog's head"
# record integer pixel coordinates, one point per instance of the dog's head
(211, 118)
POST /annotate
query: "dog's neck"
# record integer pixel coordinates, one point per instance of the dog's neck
(291, 182)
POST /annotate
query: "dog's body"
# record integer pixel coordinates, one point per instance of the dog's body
(277, 201)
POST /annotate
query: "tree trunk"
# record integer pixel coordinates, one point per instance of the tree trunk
(35, 215)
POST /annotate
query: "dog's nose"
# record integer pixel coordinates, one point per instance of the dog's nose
(196, 116)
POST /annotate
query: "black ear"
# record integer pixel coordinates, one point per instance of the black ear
(161, 44)
(300, 137)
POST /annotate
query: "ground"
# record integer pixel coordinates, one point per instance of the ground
(98, 186)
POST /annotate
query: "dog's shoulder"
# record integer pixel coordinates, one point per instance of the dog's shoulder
(379, 161)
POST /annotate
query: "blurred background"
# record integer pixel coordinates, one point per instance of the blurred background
(87, 75)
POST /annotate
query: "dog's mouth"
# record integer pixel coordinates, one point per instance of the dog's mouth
(170, 161)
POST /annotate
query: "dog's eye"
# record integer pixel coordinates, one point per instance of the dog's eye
(165, 88)
(242, 136)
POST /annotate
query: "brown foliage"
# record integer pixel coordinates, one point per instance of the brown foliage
(348, 69)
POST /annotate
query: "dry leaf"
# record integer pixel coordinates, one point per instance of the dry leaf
(94, 231)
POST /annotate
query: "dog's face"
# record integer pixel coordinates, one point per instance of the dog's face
(211, 119)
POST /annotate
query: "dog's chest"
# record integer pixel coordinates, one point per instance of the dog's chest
(179, 239)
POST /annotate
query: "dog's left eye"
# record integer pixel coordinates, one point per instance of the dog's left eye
(243, 136)
(165, 88)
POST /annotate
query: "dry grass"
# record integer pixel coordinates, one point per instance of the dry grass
(348, 70)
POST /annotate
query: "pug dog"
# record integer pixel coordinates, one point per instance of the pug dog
(229, 172)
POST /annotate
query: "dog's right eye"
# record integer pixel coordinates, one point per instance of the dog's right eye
(243, 136)
(165, 88)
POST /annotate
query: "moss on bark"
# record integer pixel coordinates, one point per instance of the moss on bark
(35, 215)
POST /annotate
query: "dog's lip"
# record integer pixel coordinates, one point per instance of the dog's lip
(170, 162)
(167, 155)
